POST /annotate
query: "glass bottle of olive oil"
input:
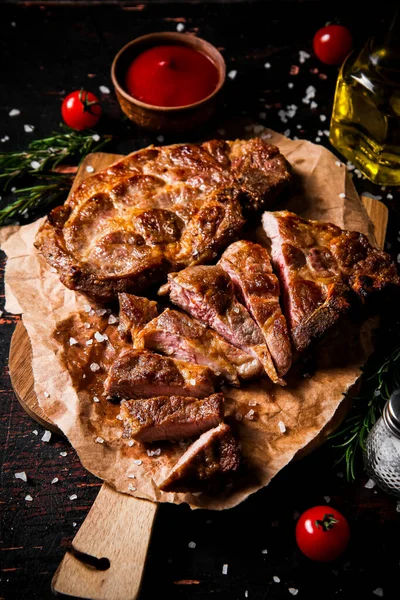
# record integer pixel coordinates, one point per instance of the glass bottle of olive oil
(365, 124)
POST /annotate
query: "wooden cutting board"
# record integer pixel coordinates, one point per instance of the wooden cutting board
(108, 553)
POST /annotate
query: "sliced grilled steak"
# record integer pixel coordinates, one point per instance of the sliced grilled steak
(142, 374)
(214, 455)
(170, 417)
(179, 335)
(249, 268)
(319, 264)
(206, 292)
(159, 210)
(134, 313)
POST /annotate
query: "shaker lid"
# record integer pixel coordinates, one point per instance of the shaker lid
(391, 413)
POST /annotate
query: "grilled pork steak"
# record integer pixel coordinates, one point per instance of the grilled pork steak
(159, 210)
(142, 374)
(170, 418)
(318, 265)
(214, 455)
(206, 292)
(249, 268)
(134, 313)
(179, 335)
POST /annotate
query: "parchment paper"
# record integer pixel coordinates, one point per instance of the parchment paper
(51, 314)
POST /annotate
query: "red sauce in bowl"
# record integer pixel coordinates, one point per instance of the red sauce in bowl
(171, 75)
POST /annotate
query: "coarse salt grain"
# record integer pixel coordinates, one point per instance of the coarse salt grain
(73, 524)
(338, 163)
(267, 65)
(313, 105)
(118, 417)
(99, 440)
(286, 133)
(72, 341)
(89, 342)
(137, 462)
(21, 475)
(293, 591)
(276, 579)
(322, 118)
(35, 432)
(46, 394)
(104, 89)
(100, 311)
(267, 136)
(342, 195)
(290, 85)
(327, 499)
(370, 484)
(94, 367)
(224, 569)
(180, 27)
(99, 337)
(252, 403)
(131, 476)
(131, 443)
(192, 381)
(378, 592)
(96, 137)
(339, 474)
(246, 593)
(112, 319)
(282, 426)
(131, 488)
(14, 112)
(35, 164)
(160, 138)
(63, 453)
(28, 128)
(87, 308)
(398, 507)
(192, 544)
(4, 139)
(154, 452)
(258, 129)
(54, 480)
(46, 436)
(90, 169)
(73, 497)
(303, 56)
(232, 74)
(265, 551)
(28, 498)
(95, 399)
(389, 196)
(249, 415)
(53, 270)
(317, 139)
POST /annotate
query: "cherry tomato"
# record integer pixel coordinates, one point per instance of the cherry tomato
(332, 44)
(322, 533)
(81, 110)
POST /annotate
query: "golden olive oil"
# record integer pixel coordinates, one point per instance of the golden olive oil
(365, 124)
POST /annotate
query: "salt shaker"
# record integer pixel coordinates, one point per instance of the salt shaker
(382, 448)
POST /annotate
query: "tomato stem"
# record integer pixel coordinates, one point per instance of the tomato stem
(327, 522)
(87, 105)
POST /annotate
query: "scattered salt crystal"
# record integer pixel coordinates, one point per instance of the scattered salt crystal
(180, 27)
(104, 89)
(154, 452)
(53, 270)
(35, 432)
(87, 325)
(137, 462)
(160, 138)
(118, 417)
(265, 551)
(342, 195)
(46, 436)
(326, 132)
(313, 105)
(249, 415)
(310, 91)
(370, 484)
(131, 488)
(87, 308)
(389, 196)
(252, 403)
(28, 498)
(282, 426)
(267, 65)
(73, 497)
(267, 136)
(293, 591)
(99, 337)
(96, 137)
(303, 56)
(54, 480)
(4, 139)
(338, 163)
(286, 133)
(89, 342)
(94, 367)
(350, 166)
(224, 569)
(99, 440)
(327, 499)
(13, 24)
(63, 454)
(290, 85)
(378, 592)
(246, 593)
(28, 128)
(298, 126)
(258, 129)
(35, 164)
(398, 507)
(192, 544)
(46, 394)
(21, 475)
(131, 443)
(282, 116)
(320, 132)
(73, 524)
(232, 74)
(339, 474)
(95, 399)
(276, 579)
(72, 341)
(84, 376)
(90, 169)
(322, 118)
(14, 112)
(239, 416)
(192, 382)
(236, 309)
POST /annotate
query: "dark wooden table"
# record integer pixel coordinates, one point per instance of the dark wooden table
(49, 50)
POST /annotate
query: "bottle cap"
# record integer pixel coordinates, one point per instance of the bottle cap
(391, 413)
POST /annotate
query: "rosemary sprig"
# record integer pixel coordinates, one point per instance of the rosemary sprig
(376, 389)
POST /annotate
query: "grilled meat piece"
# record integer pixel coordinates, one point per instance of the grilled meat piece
(134, 313)
(179, 335)
(214, 455)
(249, 268)
(159, 210)
(319, 264)
(170, 417)
(206, 292)
(142, 374)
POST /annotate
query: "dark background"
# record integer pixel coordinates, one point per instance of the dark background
(50, 49)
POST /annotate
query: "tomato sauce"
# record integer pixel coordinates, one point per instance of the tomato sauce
(171, 75)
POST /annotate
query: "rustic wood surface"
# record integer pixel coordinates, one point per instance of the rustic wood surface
(49, 51)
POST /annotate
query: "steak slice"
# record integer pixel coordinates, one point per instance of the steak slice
(134, 313)
(142, 374)
(249, 268)
(210, 458)
(179, 335)
(159, 210)
(170, 417)
(206, 292)
(319, 264)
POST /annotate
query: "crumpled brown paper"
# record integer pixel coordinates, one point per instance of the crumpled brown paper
(272, 423)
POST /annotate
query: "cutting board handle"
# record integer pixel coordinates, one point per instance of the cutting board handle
(108, 554)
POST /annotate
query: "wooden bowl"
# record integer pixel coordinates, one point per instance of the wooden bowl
(160, 118)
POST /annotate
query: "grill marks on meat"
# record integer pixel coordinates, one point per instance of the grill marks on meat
(319, 264)
(159, 210)
(142, 374)
(206, 292)
(134, 313)
(211, 458)
(179, 335)
(249, 268)
(170, 418)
